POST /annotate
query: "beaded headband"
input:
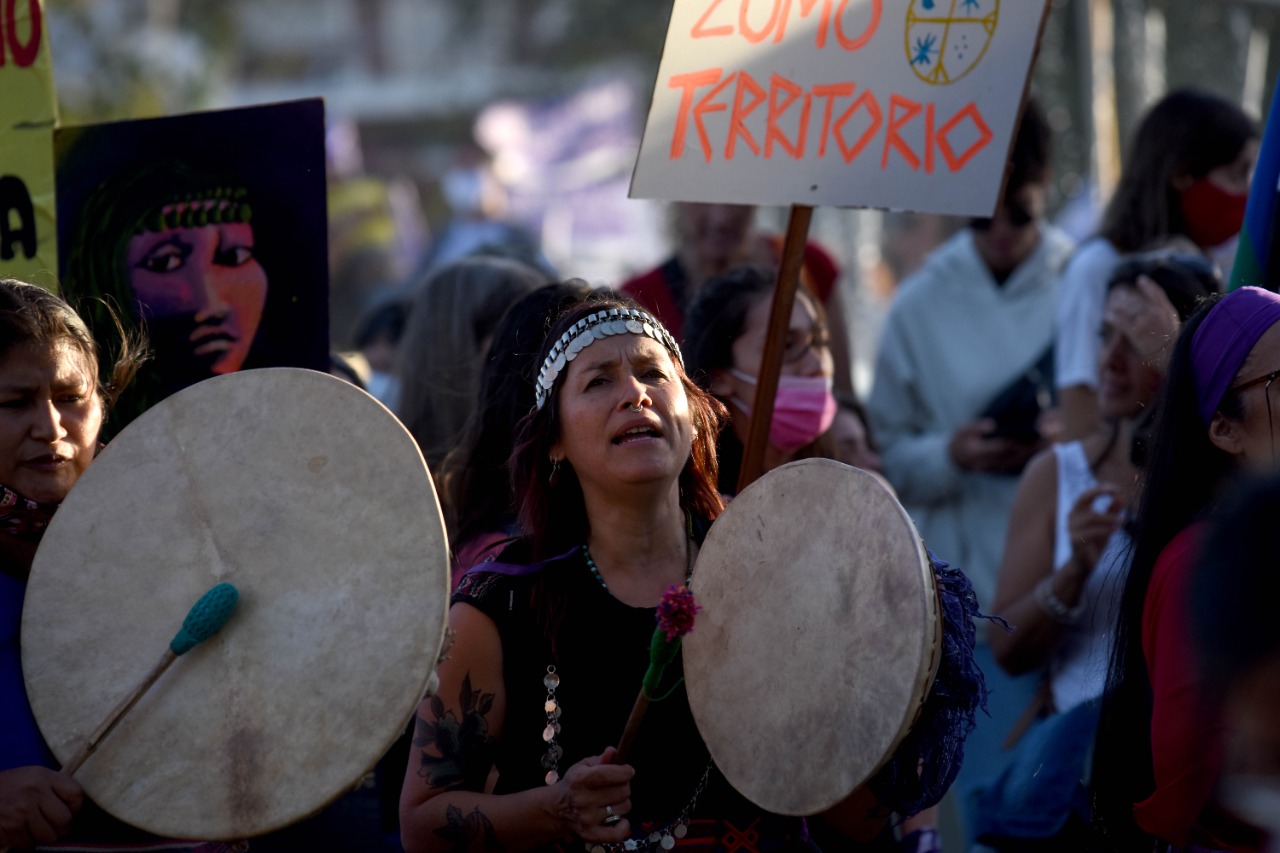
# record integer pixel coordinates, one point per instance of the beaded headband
(597, 327)
(196, 210)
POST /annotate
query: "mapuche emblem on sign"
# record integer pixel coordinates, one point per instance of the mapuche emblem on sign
(946, 39)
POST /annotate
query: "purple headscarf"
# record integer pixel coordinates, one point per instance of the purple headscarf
(1225, 338)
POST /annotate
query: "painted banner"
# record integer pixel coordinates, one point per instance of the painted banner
(28, 113)
(208, 232)
(1257, 261)
(899, 104)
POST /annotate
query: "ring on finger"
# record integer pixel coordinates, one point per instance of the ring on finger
(611, 819)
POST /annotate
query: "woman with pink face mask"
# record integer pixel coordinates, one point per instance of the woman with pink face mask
(724, 344)
(725, 333)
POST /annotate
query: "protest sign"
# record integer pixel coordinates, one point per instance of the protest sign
(28, 113)
(206, 229)
(901, 104)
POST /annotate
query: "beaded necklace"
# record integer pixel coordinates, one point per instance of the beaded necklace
(688, 556)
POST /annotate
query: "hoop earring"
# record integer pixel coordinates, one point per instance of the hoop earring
(553, 479)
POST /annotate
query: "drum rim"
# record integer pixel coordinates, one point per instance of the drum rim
(415, 688)
(930, 647)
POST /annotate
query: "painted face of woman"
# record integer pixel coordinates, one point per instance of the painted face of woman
(201, 292)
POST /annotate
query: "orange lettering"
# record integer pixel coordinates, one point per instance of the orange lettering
(829, 91)
(776, 111)
(688, 83)
(877, 7)
(23, 54)
(704, 106)
(930, 114)
(757, 36)
(698, 30)
(738, 118)
(806, 6)
(984, 137)
(896, 123)
(873, 110)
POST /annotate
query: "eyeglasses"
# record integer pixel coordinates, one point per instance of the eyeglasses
(1017, 216)
(1265, 381)
(799, 344)
(1267, 378)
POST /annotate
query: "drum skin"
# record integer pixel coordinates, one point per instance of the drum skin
(818, 636)
(312, 499)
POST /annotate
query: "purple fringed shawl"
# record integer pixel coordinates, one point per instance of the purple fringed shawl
(925, 764)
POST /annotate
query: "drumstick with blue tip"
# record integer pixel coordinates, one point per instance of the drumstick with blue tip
(206, 618)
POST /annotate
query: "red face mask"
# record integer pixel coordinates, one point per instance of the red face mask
(1213, 216)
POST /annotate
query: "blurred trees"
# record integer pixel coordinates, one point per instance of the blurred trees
(1101, 64)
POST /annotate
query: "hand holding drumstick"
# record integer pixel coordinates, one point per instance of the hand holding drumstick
(37, 804)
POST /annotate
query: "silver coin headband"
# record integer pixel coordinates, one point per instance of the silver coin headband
(597, 327)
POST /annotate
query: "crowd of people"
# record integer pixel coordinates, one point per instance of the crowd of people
(1085, 431)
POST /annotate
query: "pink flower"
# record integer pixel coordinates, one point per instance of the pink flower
(676, 612)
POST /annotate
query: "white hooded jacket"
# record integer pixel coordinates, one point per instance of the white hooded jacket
(953, 340)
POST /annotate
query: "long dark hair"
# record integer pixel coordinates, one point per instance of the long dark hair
(439, 356)
(477, 486)
(553, 518)
(1185, 472)
(715, 320)
(1188, 132)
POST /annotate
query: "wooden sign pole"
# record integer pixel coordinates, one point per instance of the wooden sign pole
(784, 297)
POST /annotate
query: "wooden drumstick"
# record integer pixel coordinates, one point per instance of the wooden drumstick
(676, 612)
(206, 618)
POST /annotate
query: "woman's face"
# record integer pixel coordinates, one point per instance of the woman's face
(1254, 440)
(50, 415)
(1007, 239)
(807, 351)
(1127, 382)
(852, 443)
(1236, 176)
(607, 443)
(201, 291)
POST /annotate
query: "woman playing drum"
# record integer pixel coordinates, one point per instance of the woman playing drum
(615, 473)
(52, 407)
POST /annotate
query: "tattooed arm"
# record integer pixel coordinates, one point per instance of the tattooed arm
(442, 805)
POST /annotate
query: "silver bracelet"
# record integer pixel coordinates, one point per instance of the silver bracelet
(1056, 609)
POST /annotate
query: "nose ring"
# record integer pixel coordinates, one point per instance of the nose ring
(636, 407)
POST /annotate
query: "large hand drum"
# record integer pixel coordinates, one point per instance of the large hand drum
(818, 638)
(308, 496)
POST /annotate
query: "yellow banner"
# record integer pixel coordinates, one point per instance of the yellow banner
(28, 114)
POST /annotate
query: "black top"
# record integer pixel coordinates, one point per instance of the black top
(557, 614)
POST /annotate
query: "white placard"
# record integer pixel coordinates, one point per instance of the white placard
(899, 104)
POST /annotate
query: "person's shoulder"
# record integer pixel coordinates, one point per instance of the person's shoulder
(1058, 244)
(1092, 256)
(1177, 556)
(1042, 471)
(940, 270)
(508, 568)
(646, 281)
